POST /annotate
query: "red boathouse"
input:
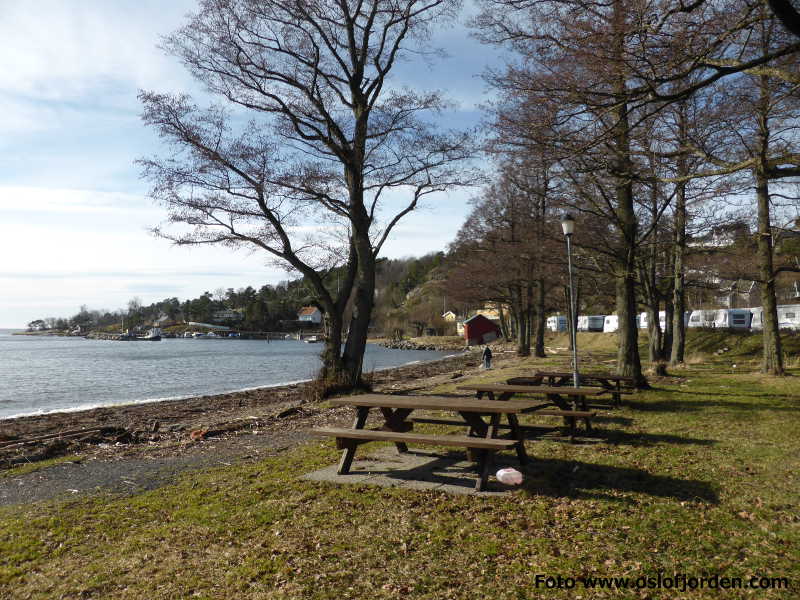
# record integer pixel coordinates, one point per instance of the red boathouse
(480, 330)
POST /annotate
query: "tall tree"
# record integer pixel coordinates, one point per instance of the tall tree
(329, 139)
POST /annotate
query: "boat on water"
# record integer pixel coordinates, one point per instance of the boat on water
(204, 336)
(153, 335)
(312, 339)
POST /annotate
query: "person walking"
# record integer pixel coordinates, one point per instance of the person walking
(487, 358)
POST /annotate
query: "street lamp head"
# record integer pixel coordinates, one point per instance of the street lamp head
(568, 224)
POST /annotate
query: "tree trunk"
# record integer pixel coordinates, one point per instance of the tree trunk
(654, 333)
(679, 289)
(363, 301)
(541, 321)
(523, 334)
(628, 361)
(504, 329)
(666, 339)
(773, 353)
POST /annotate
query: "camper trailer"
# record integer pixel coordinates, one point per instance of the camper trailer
(610, 323)
(595, 322)
(732, 318)
(557, 323)
(702, 318)
(644, 320)
(789, 316)
(757, 318)
(591, 322)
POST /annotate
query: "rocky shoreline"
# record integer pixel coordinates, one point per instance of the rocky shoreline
(129, 427)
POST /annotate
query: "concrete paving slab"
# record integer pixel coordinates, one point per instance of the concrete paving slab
(330, 474)
(420, 470)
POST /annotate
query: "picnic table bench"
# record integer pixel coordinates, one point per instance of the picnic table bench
(571, 408)
(483, 439)
(614, 384)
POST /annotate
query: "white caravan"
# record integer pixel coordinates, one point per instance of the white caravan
(596, 322)
(789, 316)
(702, 318)
(610, 324)
(644, 321)
(557, 323)
(591, 322)
(757, 318)
(732, 318)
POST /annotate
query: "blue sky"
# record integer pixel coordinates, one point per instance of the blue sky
(74, 213)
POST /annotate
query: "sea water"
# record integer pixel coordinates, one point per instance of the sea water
(41, 374)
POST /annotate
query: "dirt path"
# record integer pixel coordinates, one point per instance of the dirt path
(246, 426)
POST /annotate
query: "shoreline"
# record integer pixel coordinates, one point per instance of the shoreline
(226, 412)
(144, 401)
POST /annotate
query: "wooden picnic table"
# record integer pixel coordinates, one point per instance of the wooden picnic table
(616, 385)
(483, 439)
(570, 401)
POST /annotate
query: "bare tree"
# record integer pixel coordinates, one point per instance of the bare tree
(498, 257)
(333, 155)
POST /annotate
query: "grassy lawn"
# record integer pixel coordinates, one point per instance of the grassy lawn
(698, 476)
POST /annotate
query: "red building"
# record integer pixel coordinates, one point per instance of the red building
(480, 330)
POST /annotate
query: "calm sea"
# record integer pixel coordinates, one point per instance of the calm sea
(53, 374)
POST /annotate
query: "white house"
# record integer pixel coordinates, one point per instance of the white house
(310, 314)
(227, 315)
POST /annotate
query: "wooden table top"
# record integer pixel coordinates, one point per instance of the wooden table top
(609, 376)
(436, 403)
(538, 390)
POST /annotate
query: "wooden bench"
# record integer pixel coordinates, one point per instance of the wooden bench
(570, 418)
(615, 385)
(567, 399)
(346, 437)
(483, 440)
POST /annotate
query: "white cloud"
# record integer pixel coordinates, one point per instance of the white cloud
(59, 50)
(74, 214)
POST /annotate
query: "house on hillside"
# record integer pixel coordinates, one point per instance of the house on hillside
(450, 316)
(310, 314)
(226, 315)
(480, 330)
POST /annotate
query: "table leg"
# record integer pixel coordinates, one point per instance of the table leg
(396, 421)
(348, 453)
(477, 428)
(516, 432)
(487, 456)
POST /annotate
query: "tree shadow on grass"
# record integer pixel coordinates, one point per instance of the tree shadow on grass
(611, 436)
(551, 477)
(792, 404)
(575, 479)
(617, 437)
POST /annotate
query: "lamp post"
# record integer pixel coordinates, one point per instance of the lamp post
(568, 227)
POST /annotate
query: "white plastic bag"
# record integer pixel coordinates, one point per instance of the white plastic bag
(509, 476)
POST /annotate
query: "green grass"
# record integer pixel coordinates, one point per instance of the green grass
(698, 476)
(26, 468)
